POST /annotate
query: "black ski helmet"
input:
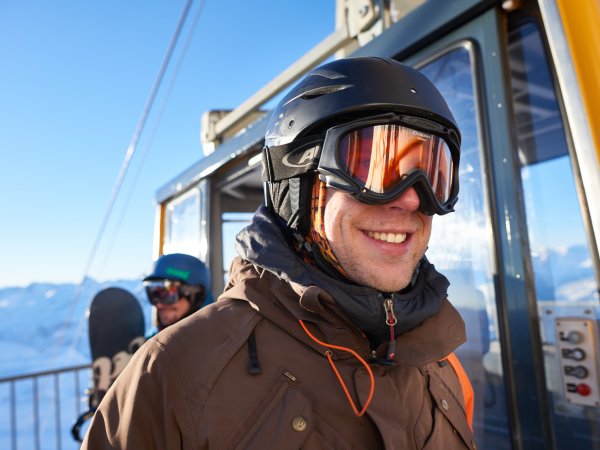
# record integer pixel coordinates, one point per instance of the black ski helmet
(186, 269)
(334, 93)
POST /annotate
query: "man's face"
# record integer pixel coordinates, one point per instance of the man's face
(377, 245)
(170, 314)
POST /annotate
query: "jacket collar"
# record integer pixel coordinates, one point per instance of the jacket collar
(306, 293)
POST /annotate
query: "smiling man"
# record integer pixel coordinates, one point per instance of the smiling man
(334, 330)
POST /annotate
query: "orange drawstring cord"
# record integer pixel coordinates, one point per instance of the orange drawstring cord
(337, 373)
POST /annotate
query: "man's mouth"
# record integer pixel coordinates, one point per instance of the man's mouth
(392, 238)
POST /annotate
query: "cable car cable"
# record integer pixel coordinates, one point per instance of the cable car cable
(124, 166)
(152, 132)
(143, 155)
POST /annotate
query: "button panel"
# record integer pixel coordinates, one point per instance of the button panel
(576, 339)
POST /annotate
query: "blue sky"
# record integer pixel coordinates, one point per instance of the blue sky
(74, 81)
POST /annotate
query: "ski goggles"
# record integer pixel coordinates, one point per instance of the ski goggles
(376, 159)
(169, 292)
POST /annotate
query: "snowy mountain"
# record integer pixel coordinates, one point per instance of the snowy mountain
(564, 274)
(45, 325)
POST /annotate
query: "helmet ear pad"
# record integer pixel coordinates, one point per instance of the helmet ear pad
(291, 200)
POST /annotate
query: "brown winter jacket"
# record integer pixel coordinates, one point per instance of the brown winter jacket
(243, 374)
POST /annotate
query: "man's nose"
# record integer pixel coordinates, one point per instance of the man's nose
(407, 201)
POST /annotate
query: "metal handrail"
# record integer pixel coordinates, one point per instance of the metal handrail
(45, 373)
(56, 399)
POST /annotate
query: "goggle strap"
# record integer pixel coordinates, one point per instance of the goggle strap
(281, 162)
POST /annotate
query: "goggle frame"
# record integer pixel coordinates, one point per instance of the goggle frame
(331, 172)
(174, 291)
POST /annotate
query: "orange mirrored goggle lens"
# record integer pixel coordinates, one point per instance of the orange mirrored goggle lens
(379, 157)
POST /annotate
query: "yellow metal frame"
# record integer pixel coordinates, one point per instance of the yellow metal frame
(581, 21)
(159, 231)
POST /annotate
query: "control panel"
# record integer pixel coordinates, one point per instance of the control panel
(577, 343)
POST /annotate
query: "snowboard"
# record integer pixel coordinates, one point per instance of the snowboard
(115, 330)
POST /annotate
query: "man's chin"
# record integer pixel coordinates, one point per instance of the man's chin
(166, 321)
(386, 280)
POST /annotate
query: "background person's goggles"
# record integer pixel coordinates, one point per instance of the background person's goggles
(169, 292)
(377, 159)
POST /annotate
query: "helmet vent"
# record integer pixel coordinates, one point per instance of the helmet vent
(320, 91)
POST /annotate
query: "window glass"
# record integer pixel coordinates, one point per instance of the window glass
(461, 248)
(563, 273)
(562, 263)
(185, 226)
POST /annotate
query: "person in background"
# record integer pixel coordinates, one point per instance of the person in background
(178, 286)
(334, 330)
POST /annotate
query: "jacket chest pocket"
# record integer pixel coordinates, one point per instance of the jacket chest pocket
(281, 419)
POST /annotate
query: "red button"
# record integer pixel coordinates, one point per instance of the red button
(584, 389)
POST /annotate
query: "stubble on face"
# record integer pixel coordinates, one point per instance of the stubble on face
(170, 314)
(368, 240)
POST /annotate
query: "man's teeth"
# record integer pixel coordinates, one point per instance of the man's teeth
(393, 238)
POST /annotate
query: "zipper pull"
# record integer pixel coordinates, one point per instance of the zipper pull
(390, 320)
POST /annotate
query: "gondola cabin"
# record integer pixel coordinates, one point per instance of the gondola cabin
(521, 251)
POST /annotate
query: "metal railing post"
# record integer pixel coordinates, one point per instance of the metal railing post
(13, 415)
(36, 413)
(57, 409)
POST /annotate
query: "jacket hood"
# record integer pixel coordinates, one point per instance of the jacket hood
(264, 245)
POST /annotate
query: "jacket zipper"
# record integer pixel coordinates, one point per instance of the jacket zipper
(390, 320)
